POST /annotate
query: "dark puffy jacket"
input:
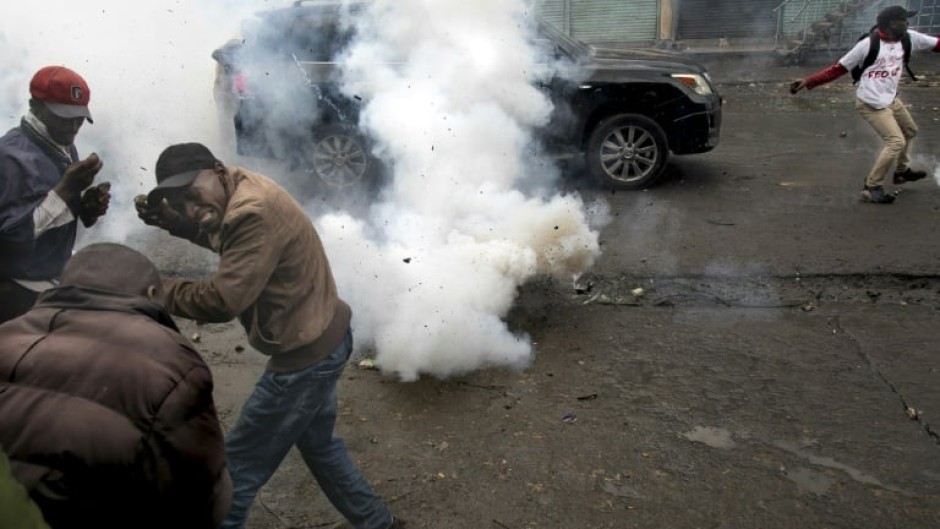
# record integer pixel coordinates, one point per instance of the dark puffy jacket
(29, 168)
(106, 413)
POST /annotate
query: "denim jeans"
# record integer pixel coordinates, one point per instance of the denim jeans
(299, 408)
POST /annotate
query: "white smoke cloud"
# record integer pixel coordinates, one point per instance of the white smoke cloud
(930, 164)
(432, 269)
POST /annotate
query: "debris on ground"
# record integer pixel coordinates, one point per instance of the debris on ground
(368, 363)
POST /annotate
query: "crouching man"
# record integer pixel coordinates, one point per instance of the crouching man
(106, 410)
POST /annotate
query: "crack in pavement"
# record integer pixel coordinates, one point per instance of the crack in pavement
(860, 351)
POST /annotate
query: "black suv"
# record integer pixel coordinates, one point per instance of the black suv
(628, 110)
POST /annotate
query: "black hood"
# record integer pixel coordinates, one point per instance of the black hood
(672, 61)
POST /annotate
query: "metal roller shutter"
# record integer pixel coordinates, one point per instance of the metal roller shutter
(600, 21)
(615, 20)
(707, 19)
(554, 12)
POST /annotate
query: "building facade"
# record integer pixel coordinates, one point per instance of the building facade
(733, 24)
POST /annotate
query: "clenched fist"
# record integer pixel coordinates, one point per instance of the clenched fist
(797, 85)
(160, 215)
(94, 203)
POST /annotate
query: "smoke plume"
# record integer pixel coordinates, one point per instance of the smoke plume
(450, 95)
(452, 103)
(149, 68)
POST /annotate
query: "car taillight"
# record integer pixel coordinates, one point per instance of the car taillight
(241, 85)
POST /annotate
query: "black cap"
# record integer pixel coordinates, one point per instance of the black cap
(178, 165)
(890, 14)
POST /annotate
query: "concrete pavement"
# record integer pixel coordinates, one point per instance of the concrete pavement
(779, 369)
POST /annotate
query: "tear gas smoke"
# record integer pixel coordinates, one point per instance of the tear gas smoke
(150, 73)
(451, 103)
(450, 100)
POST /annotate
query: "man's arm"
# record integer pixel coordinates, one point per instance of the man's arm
(54, 211)
(249, 256)
(24, 216)
(923, 42)
(821, 77)
(854, 57)
(17, 202)
(51, 213)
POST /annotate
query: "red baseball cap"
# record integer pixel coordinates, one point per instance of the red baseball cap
(63, 91)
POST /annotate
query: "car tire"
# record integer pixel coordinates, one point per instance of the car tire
(341, 158)
(626, 151)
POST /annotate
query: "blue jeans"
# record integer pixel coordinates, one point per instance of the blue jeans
(299, 408)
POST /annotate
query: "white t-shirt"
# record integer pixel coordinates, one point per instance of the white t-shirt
(879, 83)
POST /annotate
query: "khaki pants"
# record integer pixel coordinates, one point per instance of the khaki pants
(897, 128)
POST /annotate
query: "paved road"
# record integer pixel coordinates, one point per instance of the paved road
(779, 370)
(781, 365)
(780, 194)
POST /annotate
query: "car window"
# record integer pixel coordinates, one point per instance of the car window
(314, 39)
(311, 38)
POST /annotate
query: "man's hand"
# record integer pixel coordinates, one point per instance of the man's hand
(797, 85)
(160, 215)
(94, 203)
(77, 177)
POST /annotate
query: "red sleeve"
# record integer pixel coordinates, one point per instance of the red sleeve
(937, 47)
(824, 76)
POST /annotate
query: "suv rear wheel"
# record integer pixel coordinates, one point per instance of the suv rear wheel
(626, 151)
(341, 157)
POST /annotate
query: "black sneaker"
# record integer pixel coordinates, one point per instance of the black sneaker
(397, 523)
(908, 175)
(877, 195)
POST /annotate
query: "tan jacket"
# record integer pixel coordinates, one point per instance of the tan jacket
(273, 275)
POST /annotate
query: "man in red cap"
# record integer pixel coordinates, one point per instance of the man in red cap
(45, 188)
(877, 63)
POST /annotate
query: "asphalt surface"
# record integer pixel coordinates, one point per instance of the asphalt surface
(756, 348)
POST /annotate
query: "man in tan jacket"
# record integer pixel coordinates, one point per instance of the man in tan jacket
(274, 277)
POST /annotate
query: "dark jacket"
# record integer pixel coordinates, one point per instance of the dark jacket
(106, 413)
(29, 168)
(273, 275)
